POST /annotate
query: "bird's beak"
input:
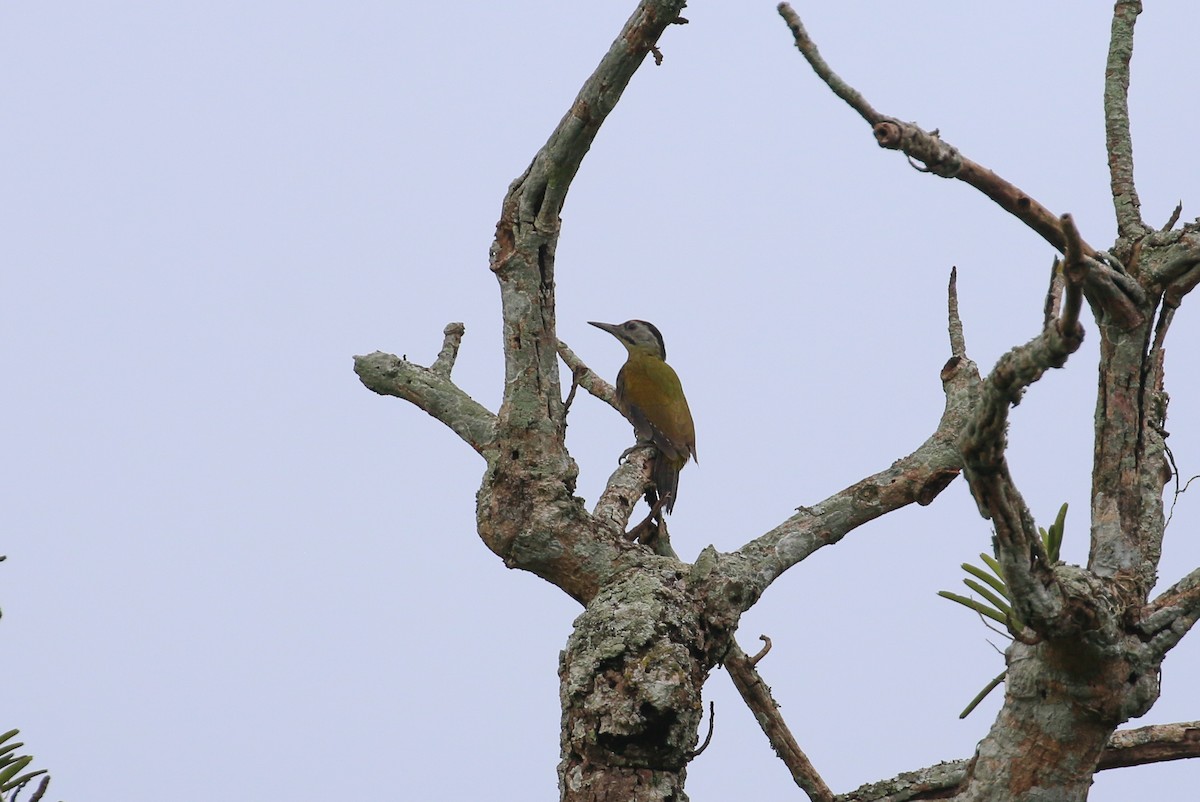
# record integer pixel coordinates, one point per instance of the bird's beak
(611, 328)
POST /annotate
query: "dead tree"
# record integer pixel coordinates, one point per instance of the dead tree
(1088, 653)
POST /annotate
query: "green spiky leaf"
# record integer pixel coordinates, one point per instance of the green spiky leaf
(10, 771)
(974, 604)
(998, 604)
(994, 589)
(996, 583)
(979, 697)
(24, 778)
(994, 564)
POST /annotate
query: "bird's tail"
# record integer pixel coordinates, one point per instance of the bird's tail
(666, 481)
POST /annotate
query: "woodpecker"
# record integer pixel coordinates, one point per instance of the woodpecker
(650, 396)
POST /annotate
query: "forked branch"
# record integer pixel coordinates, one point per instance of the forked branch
(432, 390)
(984, 441)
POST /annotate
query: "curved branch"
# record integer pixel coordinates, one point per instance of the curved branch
(431, 390)
(937, 156)
(917, 478)
(1118, 141)
(808, 48)
(586, 378)
(1104, 286)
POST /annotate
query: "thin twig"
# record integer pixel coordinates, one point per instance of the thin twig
(570, 399)
(1174, 217)
(586, 377)
(758, 698)
(761, 652)
(808, 48)
(712, 720)
(958, 341)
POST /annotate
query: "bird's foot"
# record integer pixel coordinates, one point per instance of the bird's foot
(633, 448)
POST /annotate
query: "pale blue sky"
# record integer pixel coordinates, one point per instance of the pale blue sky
(235, 573)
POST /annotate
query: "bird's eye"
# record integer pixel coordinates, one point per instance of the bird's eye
(630, 326)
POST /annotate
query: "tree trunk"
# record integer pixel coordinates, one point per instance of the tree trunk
(630, 683)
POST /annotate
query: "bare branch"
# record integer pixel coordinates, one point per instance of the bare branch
(556, 163)
(449, 353)
(1181, 276)
(958, 341)
(808, 48)
(1075, 271)
(934, 782)
(940, 158)
(758, 698)
(712, 723)
(917, 478)
(1118, 141)
(625, 486)
(1174, 218)
(1153, 744)
(623, 490)
(1172, 615)
(586, 377)
(929, 149)
(432, 391)
(763, 652)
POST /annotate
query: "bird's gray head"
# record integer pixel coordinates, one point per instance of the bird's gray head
(638, 336)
